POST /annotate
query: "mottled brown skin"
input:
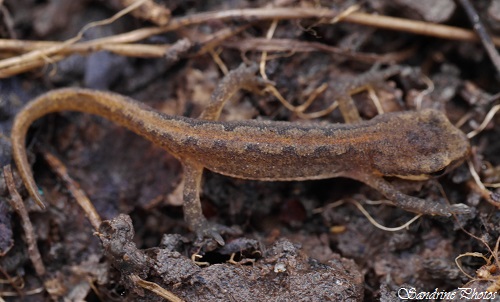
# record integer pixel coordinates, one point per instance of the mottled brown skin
(410, 145)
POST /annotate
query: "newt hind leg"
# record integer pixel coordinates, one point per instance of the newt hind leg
(192, 207)
(241, 78)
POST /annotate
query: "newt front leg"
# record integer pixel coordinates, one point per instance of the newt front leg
(409, 203)
(376, 180)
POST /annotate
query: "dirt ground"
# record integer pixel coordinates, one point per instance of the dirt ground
(291, 241)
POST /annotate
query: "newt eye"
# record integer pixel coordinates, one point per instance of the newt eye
(438, 172)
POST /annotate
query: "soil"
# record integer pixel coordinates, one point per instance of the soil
(292, 241)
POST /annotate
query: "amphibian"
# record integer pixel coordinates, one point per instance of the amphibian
(411, 145)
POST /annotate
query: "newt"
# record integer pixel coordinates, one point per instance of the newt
(413, 145)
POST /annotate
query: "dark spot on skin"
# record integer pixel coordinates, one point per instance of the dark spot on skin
(328, 132)
(422, 141)
(220, 144)
(195, 122)
(252, 147)
(229, 127)
(434, 119)
(282, 130)
(332, 130)
(166, 137)
(322, 150)
(140, 123)
(413, 138)
(191, 141)
(289, 151)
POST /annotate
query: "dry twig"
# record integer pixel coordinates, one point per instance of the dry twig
(56, 51)
(482, 33)
(155, 288)
(18, 205)
(149, 10)
(74, 188)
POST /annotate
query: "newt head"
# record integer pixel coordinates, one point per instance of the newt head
(419, 145)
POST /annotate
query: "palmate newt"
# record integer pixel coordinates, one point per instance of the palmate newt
(412, 145)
